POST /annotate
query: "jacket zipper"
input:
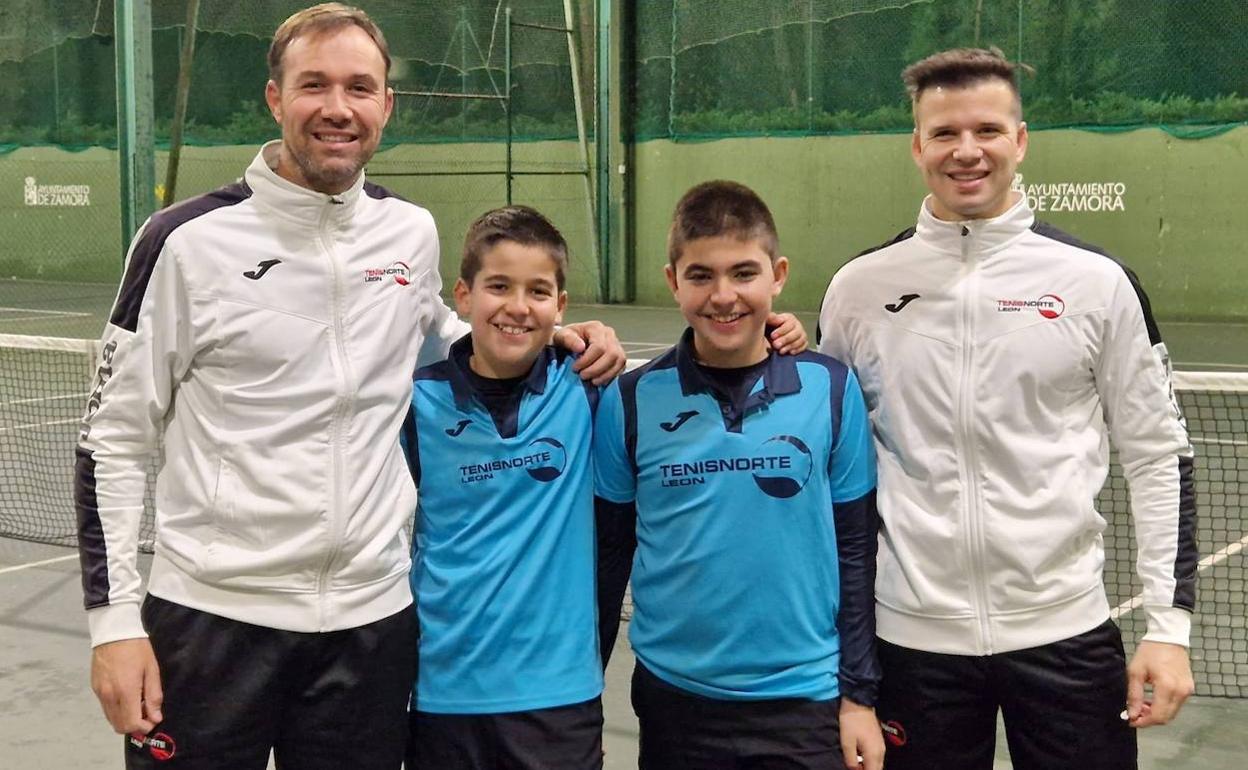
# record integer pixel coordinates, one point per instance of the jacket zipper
(968, 458)
(337, 516)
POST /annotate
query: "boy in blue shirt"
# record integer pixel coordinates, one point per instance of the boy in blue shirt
(503, 560)
(753, 480)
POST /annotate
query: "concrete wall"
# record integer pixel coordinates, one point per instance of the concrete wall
(71, 236)
(1175, 212)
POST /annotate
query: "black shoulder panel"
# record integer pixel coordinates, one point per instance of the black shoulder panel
(1051, 232)
(145, 252)
(898, 238)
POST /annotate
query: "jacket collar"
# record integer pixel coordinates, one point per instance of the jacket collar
(974, 236)
(293, 201)
(779, 376)
(461, 383)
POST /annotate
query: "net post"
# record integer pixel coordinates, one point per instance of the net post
(135, 133)
(507, 105)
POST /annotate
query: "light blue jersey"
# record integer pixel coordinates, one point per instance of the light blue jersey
(736, 585)
(503, 558)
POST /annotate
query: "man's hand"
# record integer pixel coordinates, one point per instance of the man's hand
(861, 736)
(787, 335)
(1166, 667)
(126, 679)
(601, 356)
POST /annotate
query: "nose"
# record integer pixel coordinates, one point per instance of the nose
(334, 105)
(722, 293)
(516, 304)
(967, 150)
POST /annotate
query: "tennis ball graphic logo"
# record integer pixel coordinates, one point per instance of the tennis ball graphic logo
(552, 467)
(788, 476)
(1052, 306)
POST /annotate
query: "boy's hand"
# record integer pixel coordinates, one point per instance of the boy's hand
(126, 679)
(861, 736)
(787, 335)
(601, 355)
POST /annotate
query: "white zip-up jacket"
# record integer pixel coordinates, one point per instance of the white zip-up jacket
(268, 333)
(998, 358)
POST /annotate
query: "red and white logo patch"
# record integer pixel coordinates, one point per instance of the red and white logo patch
(160, 745)
(894, 733)
(1048, 305)
(397, 270)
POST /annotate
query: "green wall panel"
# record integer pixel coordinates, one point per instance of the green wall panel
(1175, 211)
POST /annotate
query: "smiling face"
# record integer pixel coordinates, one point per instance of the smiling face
(332, 104)
(725, 288)
(968, 141)
(513, 304)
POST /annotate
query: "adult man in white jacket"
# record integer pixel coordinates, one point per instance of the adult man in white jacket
(268, 333)
(997, 356)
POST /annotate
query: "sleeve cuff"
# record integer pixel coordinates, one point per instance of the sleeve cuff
(1172, 625)
(115, 622)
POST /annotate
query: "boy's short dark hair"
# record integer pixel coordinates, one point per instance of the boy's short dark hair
(722, 208)
(960, 68)
(318, 20)
(519, 224)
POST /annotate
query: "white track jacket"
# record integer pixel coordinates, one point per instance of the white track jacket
(998, 358)
(268, 333)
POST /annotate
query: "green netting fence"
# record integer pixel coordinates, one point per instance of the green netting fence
(708, 69)
(57, 82)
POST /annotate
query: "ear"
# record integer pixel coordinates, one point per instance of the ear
(1023, 138)
(916, 147)
(780, 272)
(463, 298)
(669, 273)
(561, 306)
(273, 98)
(389, 105)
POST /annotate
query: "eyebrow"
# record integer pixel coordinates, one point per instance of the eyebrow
(362, 77)
(745, 263)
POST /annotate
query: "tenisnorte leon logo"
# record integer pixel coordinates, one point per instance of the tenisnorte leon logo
(544, 461)
(781, 467)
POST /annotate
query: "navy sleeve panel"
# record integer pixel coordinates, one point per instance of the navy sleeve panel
(592, 394)
(898, 238)
(151, 242)
(92, 550)
(857, 530)
(837, 372)
(378, 192)
(616, 528)
(628, 399)
(411, 444)
(439, 372)
(1049, 231)
(1188, 556)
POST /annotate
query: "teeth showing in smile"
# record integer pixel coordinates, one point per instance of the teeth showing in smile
(333, 139)
(726, 318)
(515, 330)
(969, 176)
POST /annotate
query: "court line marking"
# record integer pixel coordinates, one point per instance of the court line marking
(43, 563)
(20, 401)
(30, 425)
(1213, 559)
(39, 312)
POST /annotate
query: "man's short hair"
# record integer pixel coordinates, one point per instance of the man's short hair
(518, 224)
(722, 208)
(960, 68)
(318, 20)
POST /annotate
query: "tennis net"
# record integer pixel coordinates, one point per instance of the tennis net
(45, 383)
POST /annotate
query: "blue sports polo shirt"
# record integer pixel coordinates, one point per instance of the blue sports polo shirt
(735, 581)
(503, 554)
